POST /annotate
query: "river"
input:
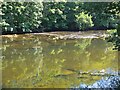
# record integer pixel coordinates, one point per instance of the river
(57, 59)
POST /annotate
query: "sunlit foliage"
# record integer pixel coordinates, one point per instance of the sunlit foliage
(19, 17)
(84, 21)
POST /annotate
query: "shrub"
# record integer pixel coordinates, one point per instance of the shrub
(84, 21)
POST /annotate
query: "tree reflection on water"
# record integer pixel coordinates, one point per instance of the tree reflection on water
(40, 61)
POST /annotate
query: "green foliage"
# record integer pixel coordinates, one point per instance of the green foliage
(84, 21)
(104, 14)
(71, 10)
(60, 15)
(21, 16)
(53, 15)
(65, 15)
(115, 38)
(111, 31)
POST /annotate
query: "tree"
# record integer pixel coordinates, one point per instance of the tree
(115, 37)
(65, 15)
(53, 16)
(104, 14)
(19, 17)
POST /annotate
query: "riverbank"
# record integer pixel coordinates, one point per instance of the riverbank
(43, 30)
(67, 35)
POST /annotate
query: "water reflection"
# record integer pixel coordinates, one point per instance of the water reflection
(39, 61)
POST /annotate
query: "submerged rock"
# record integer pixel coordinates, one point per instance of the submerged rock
(112, 82)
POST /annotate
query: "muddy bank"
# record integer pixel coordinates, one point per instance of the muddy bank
(67, 35)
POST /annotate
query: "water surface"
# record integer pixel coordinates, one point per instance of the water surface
(45, 61)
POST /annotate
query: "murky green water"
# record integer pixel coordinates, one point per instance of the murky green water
(45, 62)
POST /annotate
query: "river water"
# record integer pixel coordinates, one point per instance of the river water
(45, 61)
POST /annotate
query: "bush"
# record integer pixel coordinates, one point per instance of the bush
(84, 21)
(19, 17)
